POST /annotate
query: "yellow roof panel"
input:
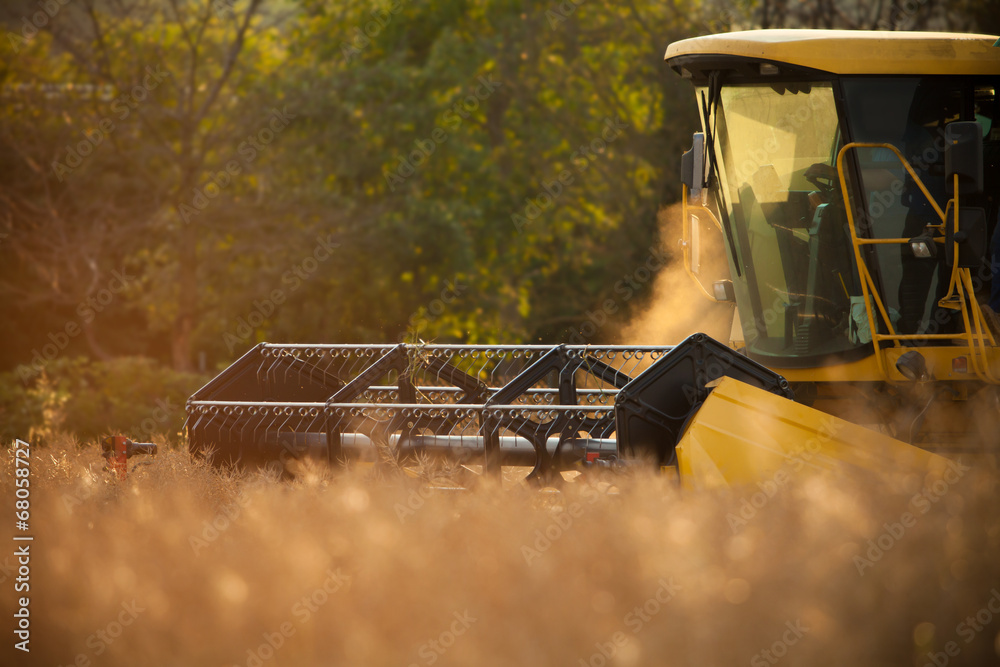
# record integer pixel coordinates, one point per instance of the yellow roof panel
(854, 51)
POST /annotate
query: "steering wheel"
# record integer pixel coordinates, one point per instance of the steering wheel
(820, 172)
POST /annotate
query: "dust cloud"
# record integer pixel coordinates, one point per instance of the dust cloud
(677, 307)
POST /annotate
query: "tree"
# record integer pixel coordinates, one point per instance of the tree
(444, 131)
(331, 171)
(857, 15)
(155, 89)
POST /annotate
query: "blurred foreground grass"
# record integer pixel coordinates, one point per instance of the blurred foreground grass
(182, 565)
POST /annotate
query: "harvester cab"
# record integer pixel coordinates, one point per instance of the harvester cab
(854, 181)
(850, 177)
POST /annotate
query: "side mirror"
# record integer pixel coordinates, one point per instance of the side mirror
(970, 237)
(693, 165)
(963, 155)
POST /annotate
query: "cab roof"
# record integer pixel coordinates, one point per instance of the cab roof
(840, 52)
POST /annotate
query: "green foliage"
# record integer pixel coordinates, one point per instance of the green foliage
(133, 396)
(463, 170)
(445, 134)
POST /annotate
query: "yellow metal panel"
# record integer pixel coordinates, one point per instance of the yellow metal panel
(939, 364)
(855, 51)
(742, 434)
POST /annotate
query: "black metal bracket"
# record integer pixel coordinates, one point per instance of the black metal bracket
(652, 410)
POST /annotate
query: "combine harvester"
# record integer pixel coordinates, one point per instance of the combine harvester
(852, 178)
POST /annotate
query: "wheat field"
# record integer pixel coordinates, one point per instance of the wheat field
(183, 565)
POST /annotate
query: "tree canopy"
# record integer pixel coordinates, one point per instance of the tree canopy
(181, 179)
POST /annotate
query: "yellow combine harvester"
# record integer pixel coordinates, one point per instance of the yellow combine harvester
(852, 181)
(833, 164)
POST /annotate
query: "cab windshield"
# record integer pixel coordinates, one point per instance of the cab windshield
(792, 262)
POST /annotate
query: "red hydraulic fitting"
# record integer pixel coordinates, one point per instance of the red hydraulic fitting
(118, 449)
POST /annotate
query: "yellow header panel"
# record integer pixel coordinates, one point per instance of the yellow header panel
(854, 51)
(742, 435)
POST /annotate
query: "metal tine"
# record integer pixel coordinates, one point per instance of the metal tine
(266, 422)
(296, 363)
(312, 356)
(317, 421)
(492, 366)
(278, 415)
(231, 420)
(321, 354)
(309, 363)
(286, 355)
(332, 365)
(300, 361)
(262, 379)
(262, 425)
(448, 375)
(248, 423)
(361, 360)
(343, 364)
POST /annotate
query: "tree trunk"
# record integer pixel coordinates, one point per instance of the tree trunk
(93, 344)
(187, 297)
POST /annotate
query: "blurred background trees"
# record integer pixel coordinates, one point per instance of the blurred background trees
(180, 179)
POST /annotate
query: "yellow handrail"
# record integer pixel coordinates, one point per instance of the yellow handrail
(960, 280)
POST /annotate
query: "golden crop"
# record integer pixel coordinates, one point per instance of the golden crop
(183, 565)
